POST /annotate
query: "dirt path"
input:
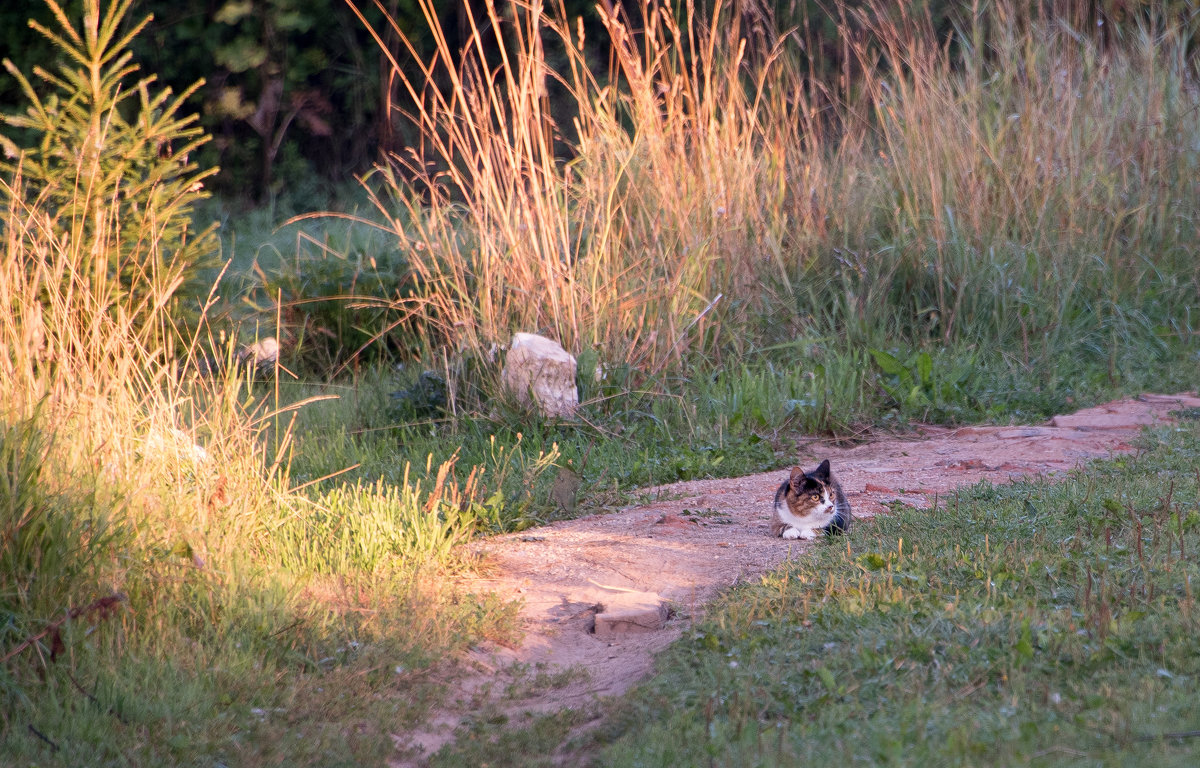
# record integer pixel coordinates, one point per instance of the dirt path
(601, 595)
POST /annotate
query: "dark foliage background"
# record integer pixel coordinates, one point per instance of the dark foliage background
(295, 89)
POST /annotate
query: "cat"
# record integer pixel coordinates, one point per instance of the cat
(808, 503)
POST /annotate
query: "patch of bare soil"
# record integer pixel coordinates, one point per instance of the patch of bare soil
(602, 595)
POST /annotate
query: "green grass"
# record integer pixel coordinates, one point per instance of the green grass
(712, 423)
(306, 632)
(1033, 623)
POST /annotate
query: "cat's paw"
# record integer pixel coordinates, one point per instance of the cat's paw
(799, 533)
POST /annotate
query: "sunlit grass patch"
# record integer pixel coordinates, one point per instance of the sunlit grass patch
(169, 593)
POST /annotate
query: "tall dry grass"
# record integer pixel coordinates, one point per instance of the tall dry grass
(1033, 174)
(150, 531)
(189, 473)
(83, 368)
(145, 492)
(710, 195)
(638, 242)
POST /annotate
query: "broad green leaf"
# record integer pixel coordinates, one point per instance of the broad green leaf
(925, 369)
(889, 364)
(243, 54)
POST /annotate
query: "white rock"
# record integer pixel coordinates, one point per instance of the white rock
(539, 371)
(263, 354)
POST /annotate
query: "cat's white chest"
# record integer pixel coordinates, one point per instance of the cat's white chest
(810, 525)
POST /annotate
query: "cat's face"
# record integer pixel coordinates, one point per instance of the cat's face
(811, 493)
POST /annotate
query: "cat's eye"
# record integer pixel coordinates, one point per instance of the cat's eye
(815, 496)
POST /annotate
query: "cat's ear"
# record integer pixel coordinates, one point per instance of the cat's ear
(821, 473)
(796, 479)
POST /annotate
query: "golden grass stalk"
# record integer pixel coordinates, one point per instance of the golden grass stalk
(189, 473)
(630, 246)
(1031, 161)
(986, 187)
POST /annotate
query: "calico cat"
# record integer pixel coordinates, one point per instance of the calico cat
(808, 503)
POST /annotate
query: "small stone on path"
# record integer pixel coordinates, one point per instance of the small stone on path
(630, 613)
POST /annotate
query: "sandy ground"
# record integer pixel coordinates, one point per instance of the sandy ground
(602, 595)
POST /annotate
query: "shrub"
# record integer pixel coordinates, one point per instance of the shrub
(110, 164)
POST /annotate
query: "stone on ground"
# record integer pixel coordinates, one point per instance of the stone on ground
(629, 613)
(539, 372)
(262, 354)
